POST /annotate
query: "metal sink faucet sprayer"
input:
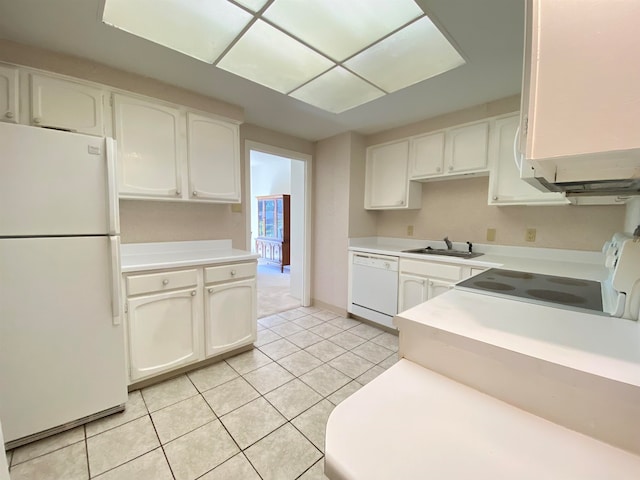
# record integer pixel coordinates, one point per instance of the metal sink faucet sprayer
(448, 242)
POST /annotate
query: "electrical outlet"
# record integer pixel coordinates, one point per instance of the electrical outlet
(491, 234)
(530, 235)
(410, 230)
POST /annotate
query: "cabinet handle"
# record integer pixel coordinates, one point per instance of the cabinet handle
(431, 284)
(495, 197)
(37, 120)
(193, 293)
(451, 168)
(210, 290)
(233, 273)
(178, 192)
(438, 169)
(194, 193)
(9, 114)
(165, 282)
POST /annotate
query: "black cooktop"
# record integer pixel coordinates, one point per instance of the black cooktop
(573, 293)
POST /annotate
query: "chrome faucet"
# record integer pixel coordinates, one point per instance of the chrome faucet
(448, 242)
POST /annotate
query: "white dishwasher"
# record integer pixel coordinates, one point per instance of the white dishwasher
(374, 287)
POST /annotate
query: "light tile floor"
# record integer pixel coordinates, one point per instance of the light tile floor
(259, 415)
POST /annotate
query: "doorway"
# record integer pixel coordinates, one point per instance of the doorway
(275, 171)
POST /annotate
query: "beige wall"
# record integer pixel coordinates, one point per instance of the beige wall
(458, 208)
(362, 223)
(331, 220)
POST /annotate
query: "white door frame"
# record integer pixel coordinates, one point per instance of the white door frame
(250, 145)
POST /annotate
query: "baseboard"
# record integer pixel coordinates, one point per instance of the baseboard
(327, 306)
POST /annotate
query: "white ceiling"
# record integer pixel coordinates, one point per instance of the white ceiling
(488, 33)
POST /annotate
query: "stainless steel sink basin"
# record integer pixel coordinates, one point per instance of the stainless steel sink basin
(443, 251)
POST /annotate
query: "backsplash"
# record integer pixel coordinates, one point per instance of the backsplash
(458, 208)
(156, 221)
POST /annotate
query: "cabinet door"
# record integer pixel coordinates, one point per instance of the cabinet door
(467, 148)
(148, 154)
(387, 175)
(412, 291)
(427, 155)
(164, 332)
(437, 287)
(505, 185)
(9, 94)
(230, 316)
(214, 159)
(67, 105)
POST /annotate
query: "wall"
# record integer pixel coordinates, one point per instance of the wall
(331, 171)
(458, 208)
(362, 223)
(632, 215)
(297, 228)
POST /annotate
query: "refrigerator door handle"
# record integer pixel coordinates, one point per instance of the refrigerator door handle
(115, 280)
(112, 187)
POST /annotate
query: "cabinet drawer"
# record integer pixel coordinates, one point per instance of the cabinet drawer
(431, 269)
(225, 273)
(155, 282)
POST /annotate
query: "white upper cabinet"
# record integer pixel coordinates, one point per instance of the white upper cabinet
(214, 159)
(387, 184)
(147, 136)
(66, 105)
(427, 155)
(452, 152)
(467, 148)
(505, 185)
(581, 95)
(9, 94)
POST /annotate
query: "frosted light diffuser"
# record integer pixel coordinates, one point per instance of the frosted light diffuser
(413, 54)
(336, 91)
(254, 5)
(267, 56)
(340, 28)
(200, 29)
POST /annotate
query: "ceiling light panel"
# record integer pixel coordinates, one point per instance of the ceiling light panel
(413, 54)
(340, 28)
(253, 5)
(200, 29)
(336, 91)
(267, 56)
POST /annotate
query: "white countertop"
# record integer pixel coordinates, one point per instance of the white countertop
(568, 263)
(605, 346)
(412, 423)
(137, 257)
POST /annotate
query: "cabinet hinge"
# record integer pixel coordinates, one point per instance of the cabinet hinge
(525, 126)
(111, 100)
(126, 308)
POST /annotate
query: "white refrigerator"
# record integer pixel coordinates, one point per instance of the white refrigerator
(62, 358)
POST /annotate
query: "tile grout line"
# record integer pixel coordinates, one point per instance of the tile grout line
(158, 436)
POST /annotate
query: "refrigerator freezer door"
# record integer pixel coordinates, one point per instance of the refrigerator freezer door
(61, 356)
(52, 183)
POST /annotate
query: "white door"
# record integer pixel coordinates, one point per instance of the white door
(52, 183)
(467, 148)
(438, 287)
(387, 175)
(8, 94)
(163, 332)
(148, 154)
(412, 291)
(230, 316)
(214, 159)
(427, 155)
(68, 105)
(61, 353)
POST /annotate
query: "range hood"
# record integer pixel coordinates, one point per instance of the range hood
(615, 174)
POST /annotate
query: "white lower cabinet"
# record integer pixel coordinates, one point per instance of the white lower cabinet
(173, 319)
(420, 281)
(230, 313)
(164, 332)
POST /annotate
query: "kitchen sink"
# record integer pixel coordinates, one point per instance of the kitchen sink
(443, 251)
